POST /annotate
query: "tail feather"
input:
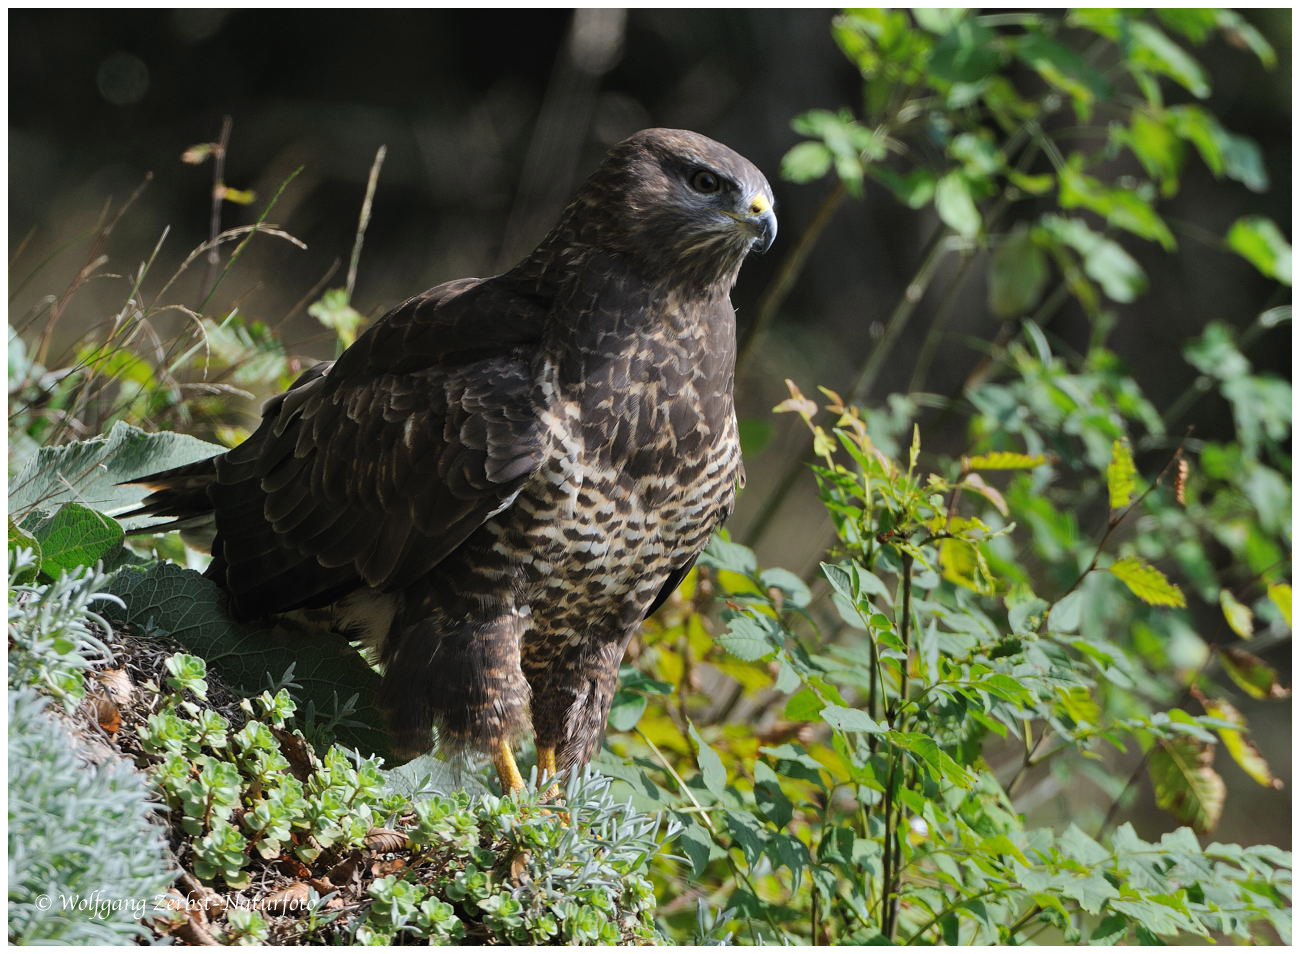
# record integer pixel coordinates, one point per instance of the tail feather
(180, 493)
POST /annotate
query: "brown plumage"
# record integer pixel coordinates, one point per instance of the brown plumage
(502, 477)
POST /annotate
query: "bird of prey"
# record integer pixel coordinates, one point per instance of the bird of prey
(501, 478)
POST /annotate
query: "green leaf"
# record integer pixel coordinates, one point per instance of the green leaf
(938, 20)
(1243, 751)
(1259, 241)
(1240, 619)
(1257, 678)
(1004, 460)
(1186, 785)
(1241, 33)
(851, 720)
(335, 312)
(1065, 614)
(943, 764)
(795, 590)
(89, 472)
(953, 202)
(626, 710)
(806, 161)
(722, 554)
(715, 776)
(803, 706)
(1017, 275)
(1104, 260)
(748, 638)
(769, 796)
(1123, 208)
(1195, 24)
(75, 536)
(1147, 583)
(191, 609)
(1154, 50)
(967, 53)
(1064, 69)
(915, 189)
(1121, 475)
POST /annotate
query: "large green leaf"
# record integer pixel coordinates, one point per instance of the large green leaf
(75, 536)
(1121, 475)
(88, 472)
(1017, 275)
(327, 670)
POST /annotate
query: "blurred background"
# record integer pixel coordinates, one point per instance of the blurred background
(490, 119)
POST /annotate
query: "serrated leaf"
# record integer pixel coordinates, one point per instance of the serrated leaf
(1240, 619)
(1280, 594)
(747, 639)
(191, 609)
(1147, 583)
(711, 768)
(725, 555)
(1259, 241)
(1004, 460)
(1186, 785)
(88, 472)
(429, 775)
(75, 536)
(334, 310)
(1242, 749)
(1257, 678)
(943, 764)
(1121, 475)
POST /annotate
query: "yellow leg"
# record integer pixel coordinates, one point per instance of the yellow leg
(507, 770)
(546, 761)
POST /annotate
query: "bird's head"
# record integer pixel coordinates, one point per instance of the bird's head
(678, 201)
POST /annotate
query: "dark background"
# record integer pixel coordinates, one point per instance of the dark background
(490, 119)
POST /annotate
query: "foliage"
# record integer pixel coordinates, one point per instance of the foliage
(848, 756)
(54, 635)
(80, 837)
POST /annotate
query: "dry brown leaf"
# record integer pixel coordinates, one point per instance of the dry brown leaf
(519, 868)
(382, 869)
(385, 840)
(291, 899)
(107, 715)
(117, 683)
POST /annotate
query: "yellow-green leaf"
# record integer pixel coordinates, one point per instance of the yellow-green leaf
(1147, 583)
(1004, 460)
(1186, 785)
(1257, 678)
(1243, 751)
(1238, 614)
(238, 196)
(1280, 594)
(1121, 475)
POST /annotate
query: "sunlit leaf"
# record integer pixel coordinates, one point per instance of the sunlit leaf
(1123, 208)
(1240, 619)
(1240, 33)
(806, 161)
(1242, 749)
(1280, 594)
(851, 720)
(1003, 460)
(1147, 583)
(1186, 785)
(1259, 241)
(75, 536)
(1154, 50)
(955, 205)
(1121, 475)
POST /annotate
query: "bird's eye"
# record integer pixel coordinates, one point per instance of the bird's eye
(705, 182)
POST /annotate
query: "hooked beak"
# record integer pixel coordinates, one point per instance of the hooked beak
(761, 220)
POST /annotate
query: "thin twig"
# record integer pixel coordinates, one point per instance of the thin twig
(371, 183)
(218, 197)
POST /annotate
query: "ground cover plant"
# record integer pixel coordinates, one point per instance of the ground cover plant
(1082, 595)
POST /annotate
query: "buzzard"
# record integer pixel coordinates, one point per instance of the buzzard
(498, 481)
